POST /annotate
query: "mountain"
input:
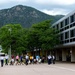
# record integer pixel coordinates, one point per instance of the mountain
(24, 15)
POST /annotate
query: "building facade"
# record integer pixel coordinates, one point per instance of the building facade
(66, 50)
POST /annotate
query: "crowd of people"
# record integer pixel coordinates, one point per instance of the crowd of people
(26, 59)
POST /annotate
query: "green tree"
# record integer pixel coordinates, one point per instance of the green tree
(12, 34)
(45, 37)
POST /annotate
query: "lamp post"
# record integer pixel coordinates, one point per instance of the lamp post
(10, 44)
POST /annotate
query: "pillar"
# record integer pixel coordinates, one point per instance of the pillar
(72, 55)
(57, 55)
(63, 55)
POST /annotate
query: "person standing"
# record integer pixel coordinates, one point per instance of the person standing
(6, 59)
(49, 59)
(43, 59)
(12, 60)
(27, 59)
(53, 59)
(2, 60)
(21, 59)
(17, 60)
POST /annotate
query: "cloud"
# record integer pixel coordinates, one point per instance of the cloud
(51, 7)
(43, 2)
(55, 11)
(9, 1)
(60, 2)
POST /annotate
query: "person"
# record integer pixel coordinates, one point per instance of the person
(2, 57)
(37, 57)
(53, 59)
(17, 60)
(12, 60)
(43, 59)
(31, 58)
(39, 60)
(6, 59)
(34, 60)
(49, 59)
(27, 59)
(21, 59)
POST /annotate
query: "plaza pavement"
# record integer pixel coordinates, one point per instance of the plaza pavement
(39, 69)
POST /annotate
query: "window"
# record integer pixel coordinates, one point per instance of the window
(72, 33)
(72, 40)
(61, 29)
(61, 36)
(66, 35)
(57, 26)
(66, 41)
(72, 18)
(72, 25)
(66, 27)
(67, 21)
(61, 24)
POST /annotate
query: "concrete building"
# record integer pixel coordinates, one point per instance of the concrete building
(66, 50)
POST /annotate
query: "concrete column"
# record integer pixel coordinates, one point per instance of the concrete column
(73, 55)
(63, 55)
(57, 55)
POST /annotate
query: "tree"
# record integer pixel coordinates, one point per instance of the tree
(12, 34)
(40, 36)
(45, 37)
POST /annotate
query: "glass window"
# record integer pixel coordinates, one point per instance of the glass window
(67, 21)
(72, 18)
(66, 27)
(66, 41)
(57, 26)
(61, 36)
(73, 24)
(71, 40)
(72, 33)
(66, 35)
(61, 24)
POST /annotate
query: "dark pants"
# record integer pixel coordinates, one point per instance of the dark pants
(49, 61)
(42, 60)
(2, 63)
(6, 62)
(26, 61)
(53, 61)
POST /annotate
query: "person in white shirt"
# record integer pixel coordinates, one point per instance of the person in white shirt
(27, 59)
(49, 59)
(53, 59)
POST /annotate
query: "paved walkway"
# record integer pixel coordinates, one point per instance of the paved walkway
(39, 69)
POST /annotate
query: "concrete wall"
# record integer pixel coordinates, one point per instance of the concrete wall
(73, 55)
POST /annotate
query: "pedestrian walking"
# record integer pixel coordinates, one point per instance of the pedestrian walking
(27, 59)
(6, 59)
(17, 60)
(43, 59)
(49, 59)
(21, 59)
(53, 59)
(2, 57)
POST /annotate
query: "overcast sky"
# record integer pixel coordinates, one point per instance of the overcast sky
(51, 7)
